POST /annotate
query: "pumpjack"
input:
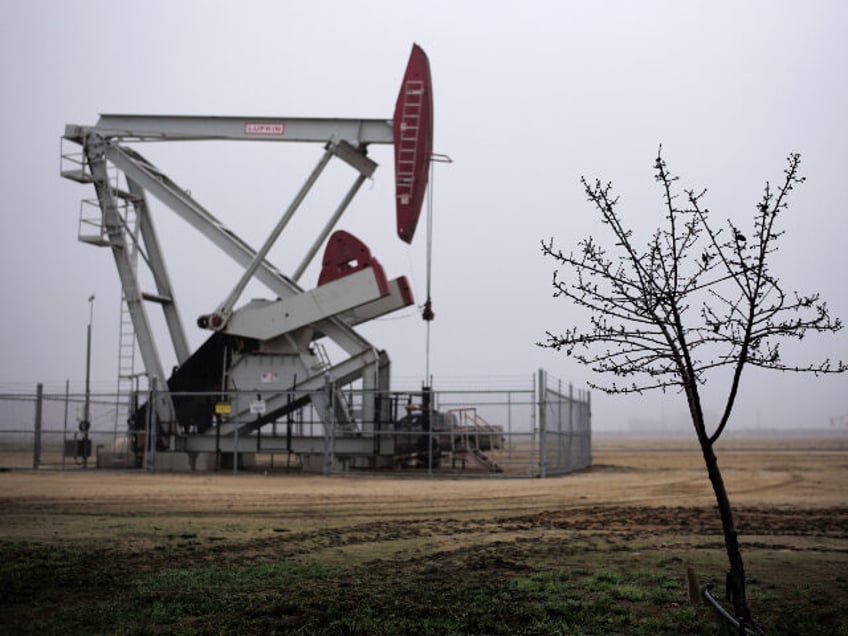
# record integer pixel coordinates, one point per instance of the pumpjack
(263, 351)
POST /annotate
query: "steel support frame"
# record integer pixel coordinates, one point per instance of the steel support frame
(156, 263)
(96, 152)
(351, 137)
(170, 194)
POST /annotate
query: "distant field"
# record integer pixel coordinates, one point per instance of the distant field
(766, 440)
(601, 551)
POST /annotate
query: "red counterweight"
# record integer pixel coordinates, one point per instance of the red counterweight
(344, 255)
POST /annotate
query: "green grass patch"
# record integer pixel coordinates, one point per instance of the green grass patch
(53, 589)
(610, 601)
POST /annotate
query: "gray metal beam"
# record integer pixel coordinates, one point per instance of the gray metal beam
(160, 274)
(267, 319)
(394, 301)
(178, 127)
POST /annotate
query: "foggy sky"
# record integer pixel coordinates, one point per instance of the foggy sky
(527, 98)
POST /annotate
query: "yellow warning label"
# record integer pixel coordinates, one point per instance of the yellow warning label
(223, 408)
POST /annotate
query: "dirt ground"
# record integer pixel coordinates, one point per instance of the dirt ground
(640, 508)
(61, 505)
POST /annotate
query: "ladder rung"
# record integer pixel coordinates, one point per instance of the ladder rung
(156, 298)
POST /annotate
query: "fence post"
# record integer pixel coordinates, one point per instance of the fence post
(235, 449)
(509, 439)
(36, 444)
(560, 440)
(543, 416)
(329, 425)
(587, 423)
(534, 418)
(427, 413)
(65, 425)
(572, 442)
(152, 425)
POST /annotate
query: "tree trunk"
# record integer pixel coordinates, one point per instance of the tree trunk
(736, 575)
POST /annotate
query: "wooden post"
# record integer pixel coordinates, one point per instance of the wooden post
(694, 588)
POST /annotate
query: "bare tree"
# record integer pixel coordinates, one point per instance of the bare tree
(700, 302)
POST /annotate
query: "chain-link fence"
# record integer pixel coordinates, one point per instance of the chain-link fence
(45, 429)
(565, 424)
(536, 430)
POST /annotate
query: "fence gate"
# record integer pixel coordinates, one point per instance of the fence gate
(565, 427)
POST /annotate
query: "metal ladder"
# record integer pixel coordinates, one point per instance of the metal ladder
(321, 358)
(408, 142)
(341, 416)
(126, 333)
(73, 166)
